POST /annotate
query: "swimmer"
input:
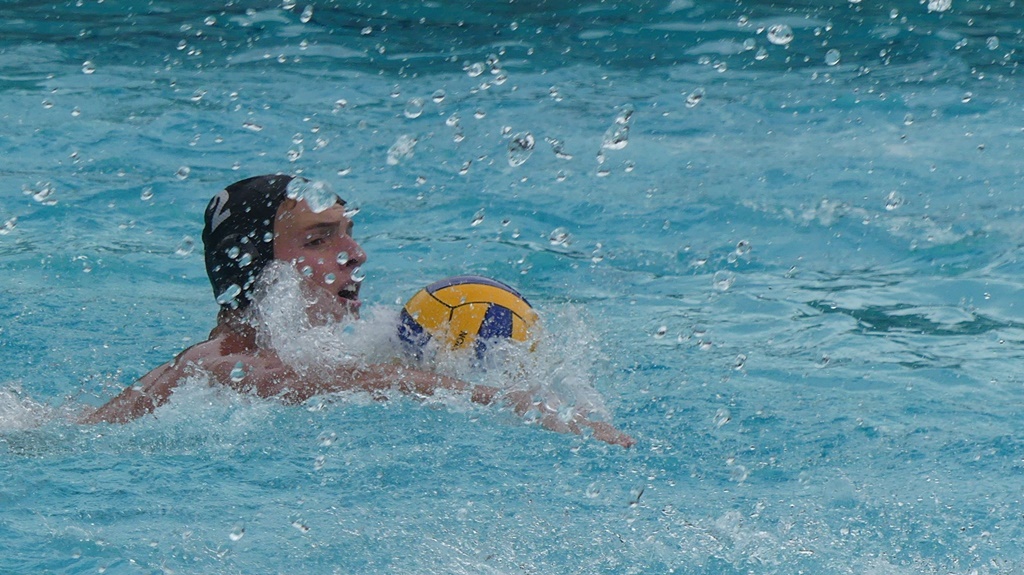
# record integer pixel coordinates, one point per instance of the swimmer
(265, 218)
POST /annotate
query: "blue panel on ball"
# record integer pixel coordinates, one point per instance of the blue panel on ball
(412, 334)
(497, 323)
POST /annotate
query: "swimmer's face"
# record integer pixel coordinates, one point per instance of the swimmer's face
(321, 247)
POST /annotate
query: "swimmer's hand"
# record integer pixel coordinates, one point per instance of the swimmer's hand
(523, 402)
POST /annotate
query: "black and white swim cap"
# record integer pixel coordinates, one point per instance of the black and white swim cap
(238, 237)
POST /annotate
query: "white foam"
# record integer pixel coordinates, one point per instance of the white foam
(19, 412)
(556, 367)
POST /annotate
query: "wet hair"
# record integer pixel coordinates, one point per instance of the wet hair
(238, 237)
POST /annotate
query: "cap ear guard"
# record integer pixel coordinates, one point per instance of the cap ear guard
(238, 262)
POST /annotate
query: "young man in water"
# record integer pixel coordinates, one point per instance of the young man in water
(278, 217)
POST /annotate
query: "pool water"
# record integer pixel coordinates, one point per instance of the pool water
(776, 242)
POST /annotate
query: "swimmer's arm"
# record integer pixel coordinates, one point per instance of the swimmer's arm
(145, 395)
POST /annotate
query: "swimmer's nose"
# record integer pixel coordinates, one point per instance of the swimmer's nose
(356, 255)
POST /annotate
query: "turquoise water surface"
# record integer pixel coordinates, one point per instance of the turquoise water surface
(777, 242)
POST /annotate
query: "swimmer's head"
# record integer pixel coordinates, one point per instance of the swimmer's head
(238, 237)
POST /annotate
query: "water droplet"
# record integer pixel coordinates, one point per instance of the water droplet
(520, 148)
(8, 226)
(245, 260)
(358, 275)
(343, 258)
(238, 373)
(593, 490)
(780, 34)
(741, 360)
(43, 192)
(340, 104)
(908, 119)
(723, 280)
(307, 15)
(452, 121)
(967, 97)
(832, 57)
(233, 252)
(465, 167)
(474, 69)
(992, 43)
(401, 149)
(695, 97)
(660, 332)
(761, 54)
(722, 416)
(414, 108)
(439, 96)
(47, 104)
(939, 5)
(183, 172)
(742, 248)
(366, 31)
(88, 67)
(559, 237)
(298, 524)
(186, 246)
(252, 126)
(893, 201)
(326, 438)
(478, 218)
(479, 114)
(557, 146)
(228, 295)
(318, 462)
(237, 532)
(318, 194)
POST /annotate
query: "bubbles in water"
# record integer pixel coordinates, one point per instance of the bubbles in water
(520, 148)
(742, 248)
(186, 246)
(559, 237)
(401, 149)
(147, 194)
(761, 54)
(908, 119)
(695, 97)
(832, 57)
(438, 96)
(183, 172)
(237, 532)
(88, 67)
(238, 373)
(780, 34)
(414, 108)
(475, 69)
(307, 15)
(992, 43)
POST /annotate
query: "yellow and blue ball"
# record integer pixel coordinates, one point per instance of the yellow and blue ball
(465, 312)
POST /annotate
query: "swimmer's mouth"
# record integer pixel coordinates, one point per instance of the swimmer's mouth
(350, 292)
